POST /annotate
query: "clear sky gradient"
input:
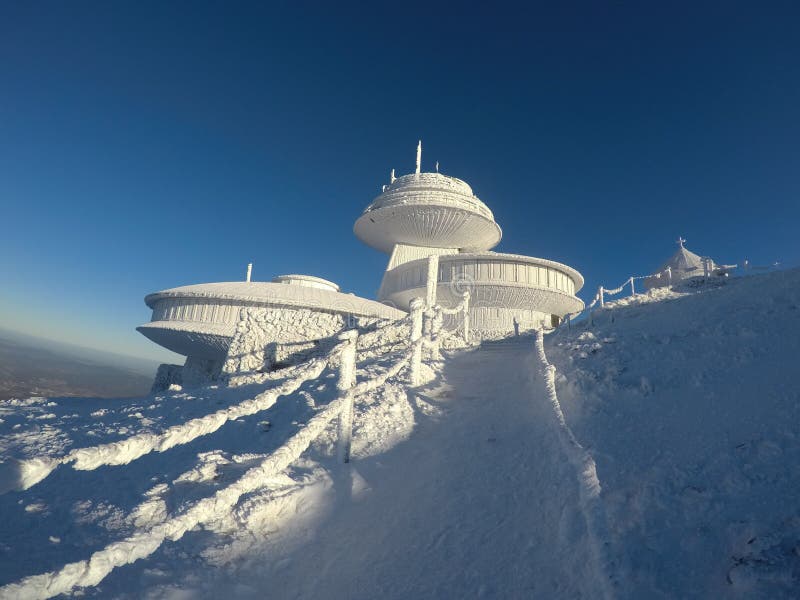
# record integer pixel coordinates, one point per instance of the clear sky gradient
(146, 145)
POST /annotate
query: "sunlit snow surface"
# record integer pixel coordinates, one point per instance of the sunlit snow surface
(688, 404)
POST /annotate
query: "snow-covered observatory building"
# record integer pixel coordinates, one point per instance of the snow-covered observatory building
(415, 217)
(200, 321)
(423, 214)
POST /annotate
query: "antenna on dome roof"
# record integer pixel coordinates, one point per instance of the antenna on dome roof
(680, 241)
(437, 166)
(419, 156)
(392, 177)
(249, 270)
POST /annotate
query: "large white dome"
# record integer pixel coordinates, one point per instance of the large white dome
(428, 209)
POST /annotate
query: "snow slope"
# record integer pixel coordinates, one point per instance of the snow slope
(690, 406)
(469, 486)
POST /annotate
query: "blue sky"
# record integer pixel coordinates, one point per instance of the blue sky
(149, 145)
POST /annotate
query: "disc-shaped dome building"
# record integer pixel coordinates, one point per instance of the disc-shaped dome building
(422, 214)
(416, 216)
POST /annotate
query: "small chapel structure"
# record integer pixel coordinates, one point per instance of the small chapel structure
(683, 267)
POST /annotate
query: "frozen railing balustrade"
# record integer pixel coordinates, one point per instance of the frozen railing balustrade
(143, 543)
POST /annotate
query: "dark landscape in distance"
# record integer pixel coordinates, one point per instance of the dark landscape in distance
(31, 366)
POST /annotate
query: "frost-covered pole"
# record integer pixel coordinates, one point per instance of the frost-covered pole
(436, 332)
(465, 297)
(347, 379)
(392, 177)
(427, 328)
(430, 286)
(600, 294)
(419, 157)
(417, 305)
(633, 288)
(249, 271)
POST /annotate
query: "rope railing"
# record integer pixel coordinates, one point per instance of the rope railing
(586, 471)
(143, 543)
(709, 268)
(33, 470)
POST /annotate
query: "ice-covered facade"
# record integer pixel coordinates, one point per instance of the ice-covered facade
(224, 327)
(422, 214)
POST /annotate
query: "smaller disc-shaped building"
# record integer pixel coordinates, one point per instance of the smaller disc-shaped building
(423, 214)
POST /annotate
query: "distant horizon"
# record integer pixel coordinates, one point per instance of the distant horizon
(92, 353)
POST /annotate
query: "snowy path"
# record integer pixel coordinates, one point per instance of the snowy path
(480, 502)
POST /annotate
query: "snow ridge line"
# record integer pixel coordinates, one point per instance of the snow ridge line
(588, 482)
(33, 470)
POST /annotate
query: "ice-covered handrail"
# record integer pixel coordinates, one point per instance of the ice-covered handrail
(142, 544)
(367, 339)
(33, 470)
(457, 309)
(586, 470)
(376, 382)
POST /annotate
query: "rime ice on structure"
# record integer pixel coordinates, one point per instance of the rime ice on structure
(682, 267)
(226, 327)
(422, 214)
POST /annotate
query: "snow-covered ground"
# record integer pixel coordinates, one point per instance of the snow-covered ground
(467, 487)
(690, 406)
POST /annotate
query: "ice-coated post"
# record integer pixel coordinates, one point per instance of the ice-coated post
(347, 379)
(465, 297)
(427, 326)
(436, 332)
(249, 271)
(602, 298)
(417, 305)
(669, 276)
(633, 288)
(430, 286)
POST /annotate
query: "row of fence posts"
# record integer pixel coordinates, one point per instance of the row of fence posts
(708, 269)
(427, 321)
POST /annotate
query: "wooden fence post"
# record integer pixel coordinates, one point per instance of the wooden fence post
(465, 296)
(416, 306)
(347, 379)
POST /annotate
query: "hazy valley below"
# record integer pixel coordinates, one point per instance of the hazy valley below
(31, 366)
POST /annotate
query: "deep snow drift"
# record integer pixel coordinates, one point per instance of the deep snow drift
(690, 406)
(467, 487)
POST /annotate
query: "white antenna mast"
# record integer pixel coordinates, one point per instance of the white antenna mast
(392, 177)
(419, 156)
(437, 166)
(249, 270)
